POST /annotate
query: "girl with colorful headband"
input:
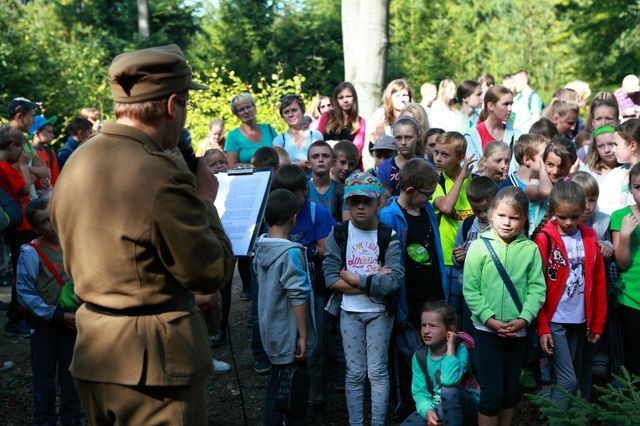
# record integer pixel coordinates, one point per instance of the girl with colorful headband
(601, 157)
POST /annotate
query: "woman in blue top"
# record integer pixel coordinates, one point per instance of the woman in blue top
(296, 140)
(244, 141)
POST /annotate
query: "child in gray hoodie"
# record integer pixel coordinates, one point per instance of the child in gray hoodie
(286, 326)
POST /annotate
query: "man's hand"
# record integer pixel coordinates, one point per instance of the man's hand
(206, 182)
(208, 301)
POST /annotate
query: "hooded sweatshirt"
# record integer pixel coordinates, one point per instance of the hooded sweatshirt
(556, 272)
(485, 291)
(283, 283)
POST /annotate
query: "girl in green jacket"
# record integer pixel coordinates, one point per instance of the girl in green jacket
(501, 310)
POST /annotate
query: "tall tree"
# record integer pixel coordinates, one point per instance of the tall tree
(143, 20)
(364, 42)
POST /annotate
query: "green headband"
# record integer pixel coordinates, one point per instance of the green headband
(602, 130)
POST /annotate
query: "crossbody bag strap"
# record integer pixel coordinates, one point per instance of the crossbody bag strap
(47, 262)
(503, 274)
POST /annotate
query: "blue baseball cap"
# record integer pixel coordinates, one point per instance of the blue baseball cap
(39, 122)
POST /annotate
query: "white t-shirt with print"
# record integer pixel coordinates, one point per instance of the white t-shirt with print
(571, 307)
(362, 259)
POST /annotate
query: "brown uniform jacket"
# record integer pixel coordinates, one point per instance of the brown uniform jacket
(135, 234)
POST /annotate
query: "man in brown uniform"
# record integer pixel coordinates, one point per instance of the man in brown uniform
(140, 234)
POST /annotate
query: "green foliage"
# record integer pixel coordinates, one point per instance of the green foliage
(617, 405)
(433, 40)
(58, 52)
(608, 38)
(223, 85)
(44, 60)
(257, 38)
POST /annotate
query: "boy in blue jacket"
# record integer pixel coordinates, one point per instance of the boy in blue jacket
(412, 216)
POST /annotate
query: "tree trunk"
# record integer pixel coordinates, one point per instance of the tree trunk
(365, 45)
(143, 20)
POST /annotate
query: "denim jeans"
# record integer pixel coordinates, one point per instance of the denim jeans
(365, 338)
(569, 344)
(51, 352)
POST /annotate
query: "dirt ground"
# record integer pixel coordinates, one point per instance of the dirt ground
(224, 391)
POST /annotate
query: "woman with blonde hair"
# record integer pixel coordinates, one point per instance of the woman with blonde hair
(443, 114)
(416, 111)
(244, 141)
(396, 95)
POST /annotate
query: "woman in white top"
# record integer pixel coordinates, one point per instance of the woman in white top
(443, 114)
(296, 140)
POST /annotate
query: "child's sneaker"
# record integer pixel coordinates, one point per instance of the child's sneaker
(220, 366)
(262, 366)
(5, 365)
(600, 362)
(17, 329)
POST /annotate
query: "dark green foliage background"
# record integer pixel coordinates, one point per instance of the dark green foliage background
(58, 51)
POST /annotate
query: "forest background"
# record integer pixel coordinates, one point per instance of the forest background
(58, 51)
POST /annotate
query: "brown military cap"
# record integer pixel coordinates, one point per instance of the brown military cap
(148, 74)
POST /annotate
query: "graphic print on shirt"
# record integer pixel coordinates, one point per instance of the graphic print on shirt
(575, 281)
(362, 258)
(419, 253)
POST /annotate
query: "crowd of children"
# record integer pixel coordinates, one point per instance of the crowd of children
(459, 262)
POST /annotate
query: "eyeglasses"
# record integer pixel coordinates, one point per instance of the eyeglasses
(325, 106)
(425, 193)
